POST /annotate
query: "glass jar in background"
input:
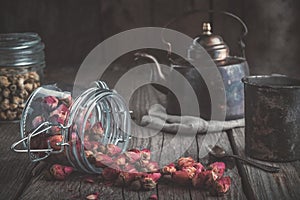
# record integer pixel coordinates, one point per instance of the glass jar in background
(74, 132)
(22, 61)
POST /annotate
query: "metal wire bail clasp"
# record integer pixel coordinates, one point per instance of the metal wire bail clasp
(41, 129)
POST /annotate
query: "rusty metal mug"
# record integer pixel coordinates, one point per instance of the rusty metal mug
(272, 117)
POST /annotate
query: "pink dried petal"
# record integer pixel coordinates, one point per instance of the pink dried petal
(89, 180)
(185, 162)
(154, 176)
(169, 169)
(199, 168)
(221, 186)
(145, 154)
(68, 170)
(93, 196)
(74, 137)
(132, 157)
(113, 150)
(110, 173)
(181, 178)
(218, 168)
(153, 197)
(203, 179)
(103, 160)
(51, 102)
(191, 171)
(38, 120)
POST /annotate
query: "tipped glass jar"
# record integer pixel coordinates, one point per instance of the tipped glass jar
(74, 132)
(21, 68)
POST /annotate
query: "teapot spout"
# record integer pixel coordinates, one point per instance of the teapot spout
(158, 67)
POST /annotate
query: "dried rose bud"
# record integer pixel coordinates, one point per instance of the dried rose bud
(101, 148)
(129, 168)
(142, 163)
(153, 197)
(110, 173)
(60, 172)
(97, 129)
(51, 102)
(55, 119)
(221, 186)
(61, 111)
(203, 179)
(169, 169)
(191, 171)
(199, 168)
(120, 160)
(38, 120)
(149, 181)
(103, 160)
(132, 157)
(95, 146)
(185, 162)
(135, 150)
(153, 167)
(68, 170)
(181, 178)
(218, 168)
(88, 153)
(113, 150)
(124, 179)
(87, 125)
(145, 154)
(55, 141)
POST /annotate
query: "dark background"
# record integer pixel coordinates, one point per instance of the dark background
(70, 29)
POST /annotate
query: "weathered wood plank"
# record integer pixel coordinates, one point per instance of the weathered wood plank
(220, 139)
(15, 169)
(282, 185)
(74, 187)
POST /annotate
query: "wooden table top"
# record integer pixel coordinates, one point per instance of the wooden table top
(21, 179)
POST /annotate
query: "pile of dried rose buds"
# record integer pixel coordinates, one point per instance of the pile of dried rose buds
(187, 172)
(54, 110)
(134, 168)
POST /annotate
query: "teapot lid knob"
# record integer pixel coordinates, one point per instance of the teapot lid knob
(206, 28)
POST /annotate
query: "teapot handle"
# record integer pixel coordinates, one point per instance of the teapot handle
(191, 12)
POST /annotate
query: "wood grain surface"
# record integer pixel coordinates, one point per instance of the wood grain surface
(283, 185)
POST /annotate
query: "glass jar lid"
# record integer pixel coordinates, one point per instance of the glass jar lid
(21, 49)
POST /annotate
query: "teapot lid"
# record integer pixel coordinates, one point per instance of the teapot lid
(213, 44)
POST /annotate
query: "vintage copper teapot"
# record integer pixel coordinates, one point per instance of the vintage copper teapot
(231, 68)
